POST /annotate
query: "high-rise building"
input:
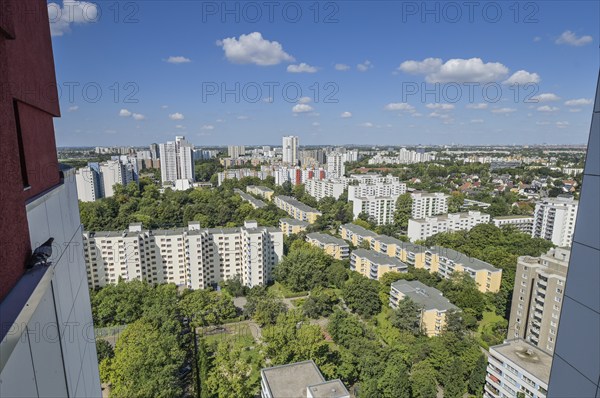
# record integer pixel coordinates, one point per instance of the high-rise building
(420, 229)
(290, 150)
(320, 189)
(537, 298)
(154, 151)
(376, 196)
(554, 220)
(235, 151)
(335, 165)
(428, 204)
(112, 172)
(576, 364)
(88, 184)
(47, 342)
(196, 258)
(177, 160)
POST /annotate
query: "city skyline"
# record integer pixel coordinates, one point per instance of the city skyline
(178, 82)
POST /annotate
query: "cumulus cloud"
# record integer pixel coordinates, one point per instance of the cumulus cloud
(366, 124)
(124, 113)
(477, 106)
(207, 127)
(578, 102)
(503, 110)
(547, 108)
(443, 107)
(562, 125)
(571, 39)
(427, 66)
(546, 97)
(301, 68)
(458, 70)
(346, 115)
(523, 77)
(242, 117)
(302, 108)
(439, 115)
(178, 60)
(73, 108)
(72, 12)
(399, 106)
(365, 66)
(341, 67)
(304, 100)
(253, 49)
(176, 116)
(474, 121)
(138, 116)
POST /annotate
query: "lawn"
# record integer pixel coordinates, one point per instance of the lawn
(485, 327)
(283, 292)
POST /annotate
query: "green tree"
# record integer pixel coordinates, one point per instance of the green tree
(104, 350)
(231, 373)
(403, 210)
(423, 378)
(395, 382)
(207, 307)
(304, 268)
(477, 377)
(362, 295)
(319, 303)
(407, 316)
(263, 306)
(453, 379)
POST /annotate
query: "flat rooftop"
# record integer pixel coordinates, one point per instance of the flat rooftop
(358, 230)
(291, 381)
(297, 204)
(512, 217)
(293, 221)
(329, 389)
(326, 239)
(463, 259)
(527, 357)
(425, 296)
(379, 258)
(260, 188)
(259, 204)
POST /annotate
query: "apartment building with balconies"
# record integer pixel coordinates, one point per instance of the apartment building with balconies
(522, 223)
(374, 265)
(320, 189)
(421, 229)
(290, 226)
(335, 247)
(537, 298)
(356, 234)
(554, 220)
(297, 209)
(259, 190)
(428, 204)
(255, 203)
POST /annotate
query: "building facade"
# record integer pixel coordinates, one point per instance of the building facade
(320, 189)
(259, 190)
(290, 150)
(88, 184)
(428, 204)
(421, 229)
(374, 265)
(297, 209)
(554, 220)
(522, 223)
(537, 298)
(290, 226)
(194, 257)
(335, 247)
(176, 160)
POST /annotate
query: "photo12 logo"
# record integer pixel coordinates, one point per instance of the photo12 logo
(253, 92)
(325, 12)
(469, 11)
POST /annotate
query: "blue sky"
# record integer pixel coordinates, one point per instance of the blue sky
(377, 72)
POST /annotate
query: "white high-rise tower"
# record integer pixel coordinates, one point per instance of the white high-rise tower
(290, 149)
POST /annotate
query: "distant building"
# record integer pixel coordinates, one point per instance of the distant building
(259, 190)
(290, 226)
(538, 298)
(299, 380)
(356, 234)
(177, 160)
(428, 204)
(376, 197)
(517, 366)
(297, 209)
(522, 223)
(235, 151)
(432, 303)
(554, 220)
(421, 229)
(374, 265)
(256, 203)
(320, 189)
(335, 247)
(88, 184)
(290, 150)
(335, 165)
(196, 258)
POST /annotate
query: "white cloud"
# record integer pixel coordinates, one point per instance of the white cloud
(571, 39)
(268, 100)
(124, 113)
(537, 39)
(207, 127)
(138, 116)
(253, 49)
(547, 108)
(474, 121)
(304, 100)
(316, 124)
(302, 108)
(503, 110)
(365, 66)
(176, 116)
(542, 123)
(522, 77)
(180, 127)
(367, 124)
(178, 60)
(399, 106)
(164, 106)
(439, 115)
(574, 110)
(301, 68)
(477, 106)
(346, 115)
(458, 70)
(546, 97)
(341, 67)
(443, 107)
(578, 102)
(562, 125)
(73, 108)
(242, 117)
(72, 12)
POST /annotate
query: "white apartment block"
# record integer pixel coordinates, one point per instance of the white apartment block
(380, 209)
(194, 257)
(517, 367)
(428, 204)
(235, 151)
(403, 156)
(335, 165)
(88, 184)
(112, 172)
(522, 223)
(391, 188)
(176, 160)
(320, 189)
(375, 196)
(554, 220)
(420, 229)
(290, 150)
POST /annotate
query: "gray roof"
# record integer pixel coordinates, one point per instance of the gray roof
(296, 203)
(357, 229)
(461, 258)
(329, 389)
(388, 240)
(257, 203)
(379, 258)
(293, 221)
(260, 188)
(527, 357)
(291, 381)
(425, 296)
(326, 239)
